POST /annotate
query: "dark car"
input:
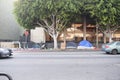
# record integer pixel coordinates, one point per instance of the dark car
(5, 52)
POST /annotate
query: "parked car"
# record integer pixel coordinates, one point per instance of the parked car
(112, 47)
(5, 52)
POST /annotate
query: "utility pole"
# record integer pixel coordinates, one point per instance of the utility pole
(96, 35)
(84, 28)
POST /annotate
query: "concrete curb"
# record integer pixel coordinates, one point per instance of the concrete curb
(52, 50)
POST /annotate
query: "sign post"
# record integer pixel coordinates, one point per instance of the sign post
(26, 38)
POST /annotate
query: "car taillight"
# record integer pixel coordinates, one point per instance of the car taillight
(106, 46)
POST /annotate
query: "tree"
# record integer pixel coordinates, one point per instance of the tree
(84, 12)
(107, 14)
(52, 15)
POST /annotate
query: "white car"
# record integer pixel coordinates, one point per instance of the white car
(5, 52)
(113, 47)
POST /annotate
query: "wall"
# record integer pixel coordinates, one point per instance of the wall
(9, 28)
(37, 35)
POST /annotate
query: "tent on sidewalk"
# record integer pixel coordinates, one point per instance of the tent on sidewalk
(71, 44)
(84, 44)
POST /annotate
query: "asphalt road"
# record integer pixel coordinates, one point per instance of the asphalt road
(86, 65)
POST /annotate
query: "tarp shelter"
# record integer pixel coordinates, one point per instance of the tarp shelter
(85, 44)
(71, 45)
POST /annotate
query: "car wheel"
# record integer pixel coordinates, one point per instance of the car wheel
(114, 51)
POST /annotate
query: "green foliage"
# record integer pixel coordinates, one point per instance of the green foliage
(105, 11)
(29, 12)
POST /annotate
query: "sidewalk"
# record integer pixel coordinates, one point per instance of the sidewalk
(52, 50)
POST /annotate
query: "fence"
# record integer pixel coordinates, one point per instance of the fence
(9, 44)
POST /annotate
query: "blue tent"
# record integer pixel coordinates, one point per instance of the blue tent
(85, 43)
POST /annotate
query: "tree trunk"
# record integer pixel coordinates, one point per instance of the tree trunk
(97, 36)
(55, 42)
(84, 28)
(110, 36)
(65, 38)
(104, 38)
(55, 32)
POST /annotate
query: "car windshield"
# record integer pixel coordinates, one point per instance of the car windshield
(110, 43)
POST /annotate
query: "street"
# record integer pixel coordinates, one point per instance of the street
(94, 65)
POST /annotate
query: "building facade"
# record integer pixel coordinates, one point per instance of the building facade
(76, 33)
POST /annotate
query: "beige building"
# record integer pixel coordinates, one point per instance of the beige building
(75, 32)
